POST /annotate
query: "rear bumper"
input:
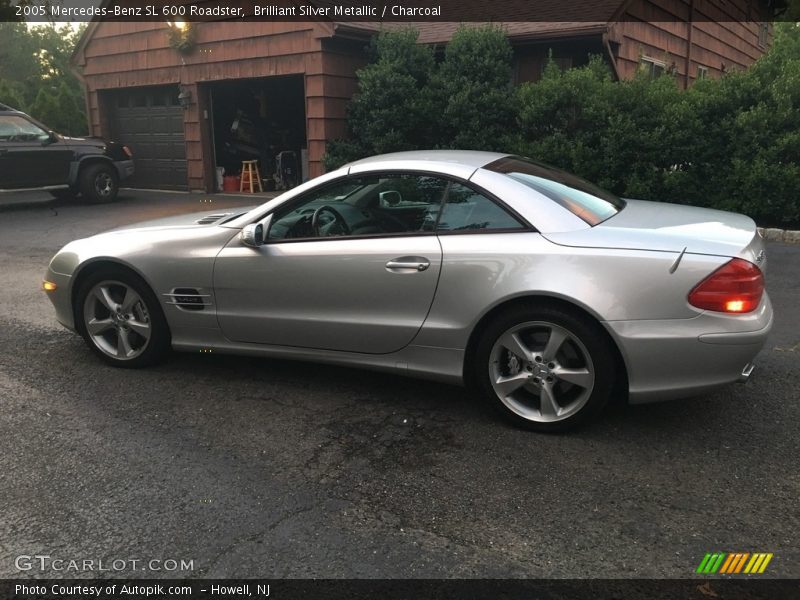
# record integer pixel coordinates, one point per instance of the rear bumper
(124, 168)
(685, 357)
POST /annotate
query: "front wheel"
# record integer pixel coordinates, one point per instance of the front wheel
(121, 321)
(99, 182)
(545, 368)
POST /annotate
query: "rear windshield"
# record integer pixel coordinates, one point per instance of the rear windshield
(581, 198)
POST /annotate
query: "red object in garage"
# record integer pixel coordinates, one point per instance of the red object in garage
(230, 183)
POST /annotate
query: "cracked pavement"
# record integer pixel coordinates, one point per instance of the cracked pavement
(268, 468)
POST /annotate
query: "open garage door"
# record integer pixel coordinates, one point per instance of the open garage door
(150, 122)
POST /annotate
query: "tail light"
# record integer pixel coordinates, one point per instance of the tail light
(127, 151)
(736, 287)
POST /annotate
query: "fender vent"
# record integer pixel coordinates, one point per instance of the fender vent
(188, 299)
(207, 220)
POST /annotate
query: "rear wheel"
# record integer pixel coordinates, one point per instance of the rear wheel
(545, 368)
(99, 182)
(121, 320)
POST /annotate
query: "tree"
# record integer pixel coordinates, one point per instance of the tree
(392, 109)
(35, 75)
(475, 90)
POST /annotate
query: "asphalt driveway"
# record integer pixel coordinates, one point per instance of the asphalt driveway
(267, 468)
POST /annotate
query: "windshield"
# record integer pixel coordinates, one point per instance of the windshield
(583, 199)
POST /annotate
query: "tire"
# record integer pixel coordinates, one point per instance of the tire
(99, 182)
(67, 194)
(121, 320)
(560, 373)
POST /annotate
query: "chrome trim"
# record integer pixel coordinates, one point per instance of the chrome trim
(174, 302)
(208, 219)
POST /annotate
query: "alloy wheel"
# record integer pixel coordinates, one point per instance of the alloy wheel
(117, 320)
(541, 371)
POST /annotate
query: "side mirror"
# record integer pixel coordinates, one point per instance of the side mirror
(51, 138)
(252, 235)
(390, 198)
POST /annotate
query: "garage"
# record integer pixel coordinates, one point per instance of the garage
(150, 122)
(261, 119)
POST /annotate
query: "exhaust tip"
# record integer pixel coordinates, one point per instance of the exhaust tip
(745, 375)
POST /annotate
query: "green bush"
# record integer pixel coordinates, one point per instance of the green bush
(731, 143)
(474, 90)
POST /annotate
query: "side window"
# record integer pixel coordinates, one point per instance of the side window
(466, 210)
(18, 129)
(390, 204)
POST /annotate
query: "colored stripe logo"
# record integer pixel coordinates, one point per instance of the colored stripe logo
(733, 563)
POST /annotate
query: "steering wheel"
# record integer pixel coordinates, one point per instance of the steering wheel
(337, 218)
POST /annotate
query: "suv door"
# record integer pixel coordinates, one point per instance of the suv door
(29, 156)
(337, 272)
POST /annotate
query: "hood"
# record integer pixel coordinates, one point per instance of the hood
(80, 141)
(192, 220)
(660, 226)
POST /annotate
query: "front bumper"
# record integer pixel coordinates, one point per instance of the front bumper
(685, 357)
(60, 297)
(124, 168)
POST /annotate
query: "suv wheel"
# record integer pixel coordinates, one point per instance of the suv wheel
(99, 183)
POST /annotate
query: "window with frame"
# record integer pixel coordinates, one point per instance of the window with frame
(369, 205)
(583, 199)
(14, 128)
(467, 210)
(652, 67)
(763, 35)
(702, 72)
(563, 63)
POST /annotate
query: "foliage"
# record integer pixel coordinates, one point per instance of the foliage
(182, 38)
(391, 111)
(731, 143)
(35, 75)
(474, 84)
(406, 101)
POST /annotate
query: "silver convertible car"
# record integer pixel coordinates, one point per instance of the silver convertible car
(539, 290)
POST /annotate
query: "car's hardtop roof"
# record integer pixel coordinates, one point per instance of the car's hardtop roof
(468, 158)
(7, 108)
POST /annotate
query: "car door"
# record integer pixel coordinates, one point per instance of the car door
(29, 156)
(350, 279)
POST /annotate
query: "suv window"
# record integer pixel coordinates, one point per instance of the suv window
(14, 128)
(390, 204)
(583, 199)
(467, 210)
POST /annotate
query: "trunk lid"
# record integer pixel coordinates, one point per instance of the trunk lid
(664, 227)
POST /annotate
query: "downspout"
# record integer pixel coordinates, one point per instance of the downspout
(689, 46)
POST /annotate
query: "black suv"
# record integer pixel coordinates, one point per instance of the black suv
(34, 157)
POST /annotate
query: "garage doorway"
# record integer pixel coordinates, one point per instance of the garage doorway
(149, 121)
(258, 119)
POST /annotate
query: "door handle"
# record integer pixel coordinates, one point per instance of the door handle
(406, 263)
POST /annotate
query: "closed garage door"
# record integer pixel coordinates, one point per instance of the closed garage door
(150, 122)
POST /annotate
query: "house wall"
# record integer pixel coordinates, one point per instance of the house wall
(723, 34)
(123, 55)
